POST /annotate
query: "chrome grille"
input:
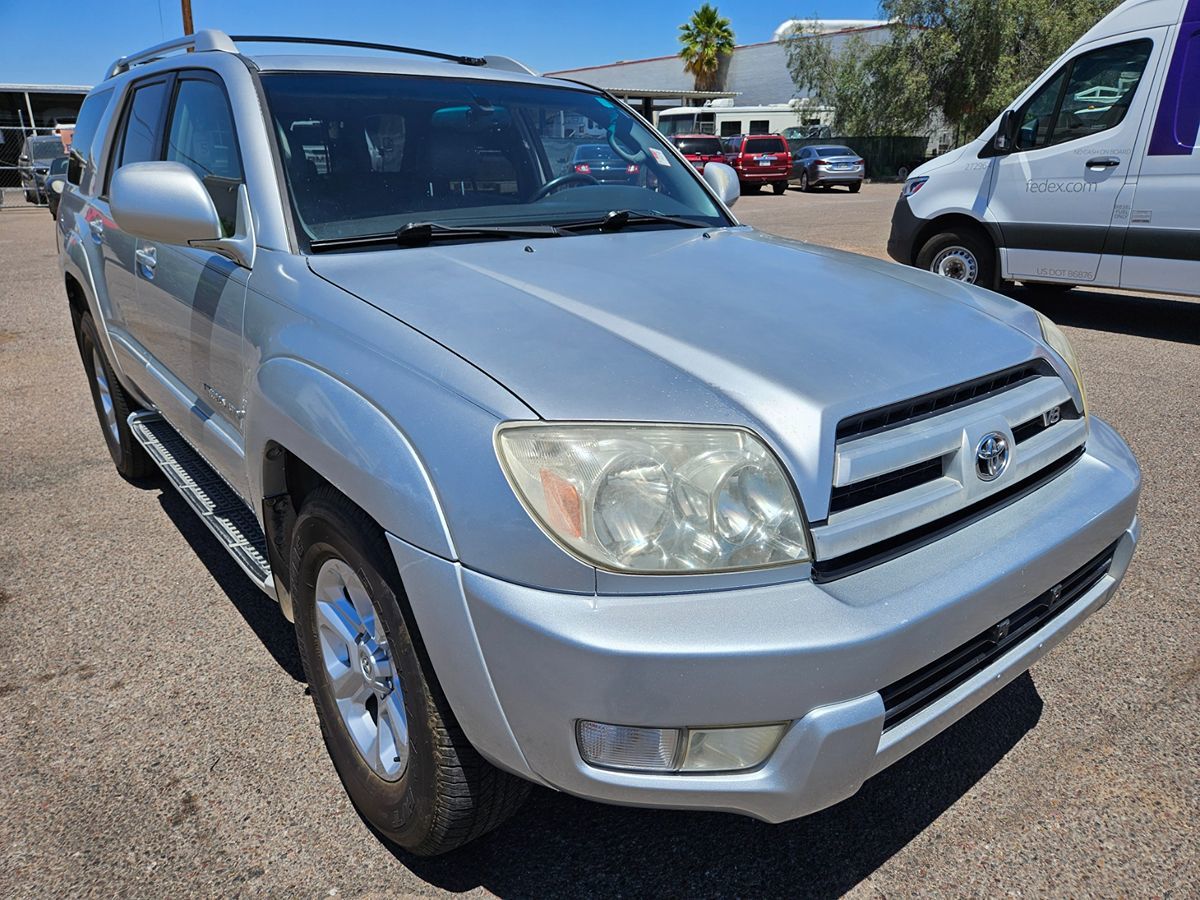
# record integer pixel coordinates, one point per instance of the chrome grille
(913, 475)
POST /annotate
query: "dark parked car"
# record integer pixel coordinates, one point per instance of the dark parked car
(699, 148)
(826, 165)
(55, 179)
(34, 164)
(759, 159)
(602, 163)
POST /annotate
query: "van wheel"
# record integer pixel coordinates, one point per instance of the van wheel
(779, 187)
(961, 255)
(394, 741)
(113, 405)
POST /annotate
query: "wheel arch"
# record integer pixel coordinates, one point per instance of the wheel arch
(304, 428)
(952, 221)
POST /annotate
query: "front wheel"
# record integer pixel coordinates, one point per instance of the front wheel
(394, 741)
(960, 255)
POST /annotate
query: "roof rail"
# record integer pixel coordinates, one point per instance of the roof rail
(207, 39)
(210, 39)
(365, 45)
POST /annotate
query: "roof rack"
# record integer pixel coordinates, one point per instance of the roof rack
(210, 39)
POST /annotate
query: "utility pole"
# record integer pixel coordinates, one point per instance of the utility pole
(187, 15)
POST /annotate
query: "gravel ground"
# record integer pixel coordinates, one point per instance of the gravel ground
(155, 736)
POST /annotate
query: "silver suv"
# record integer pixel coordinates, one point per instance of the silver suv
(569, 481)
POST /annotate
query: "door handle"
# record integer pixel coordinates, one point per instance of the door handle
(1103, 162)
(96, 227)
(147, 258)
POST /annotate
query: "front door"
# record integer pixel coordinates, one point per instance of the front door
(1054, 195)
(195, 297)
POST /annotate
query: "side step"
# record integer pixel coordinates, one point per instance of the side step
(227, 517)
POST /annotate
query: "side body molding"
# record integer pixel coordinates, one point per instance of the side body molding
(342, 435)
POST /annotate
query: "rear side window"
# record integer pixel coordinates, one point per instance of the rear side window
(201, 136)
(765, 145)
(86, 125)
(1090, 94)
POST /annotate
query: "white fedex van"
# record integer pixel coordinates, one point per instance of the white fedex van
(1092, 176)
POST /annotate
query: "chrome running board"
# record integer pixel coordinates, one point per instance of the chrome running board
(227, 517)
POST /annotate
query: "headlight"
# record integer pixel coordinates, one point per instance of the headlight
(913, 185)
(1058, 342)
(656, 498)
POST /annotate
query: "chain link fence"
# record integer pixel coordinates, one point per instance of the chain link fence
(44, 112)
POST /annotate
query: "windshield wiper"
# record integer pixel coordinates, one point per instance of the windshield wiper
(620, 218)
(420, 234)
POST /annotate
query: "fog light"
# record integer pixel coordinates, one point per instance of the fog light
(626, 747)
(730, 749)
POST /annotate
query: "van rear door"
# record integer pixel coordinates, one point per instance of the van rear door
(1162, 244)
(1053, 197)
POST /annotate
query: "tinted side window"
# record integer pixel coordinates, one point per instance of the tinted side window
(90, 115)
(733, 127)
(765, 145)
(1088, 95)
(142, 140)
(201, 136)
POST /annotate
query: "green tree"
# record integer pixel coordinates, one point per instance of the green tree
(707, 39)
(963, 59)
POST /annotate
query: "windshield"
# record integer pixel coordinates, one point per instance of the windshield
(368, 154)
(699, 146)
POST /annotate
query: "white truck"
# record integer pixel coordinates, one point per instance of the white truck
(1090, 177)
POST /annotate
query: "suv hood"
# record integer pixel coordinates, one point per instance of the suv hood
(737, 327)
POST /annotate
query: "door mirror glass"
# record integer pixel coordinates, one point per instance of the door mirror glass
(1003, 140)
(164, 202)
(722, 179)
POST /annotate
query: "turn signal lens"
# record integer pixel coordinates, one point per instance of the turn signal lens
(625, 747)
(677, 750)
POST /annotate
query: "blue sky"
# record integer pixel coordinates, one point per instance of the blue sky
(545, 35)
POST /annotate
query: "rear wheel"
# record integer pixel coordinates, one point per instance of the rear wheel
(751, 187)
(394, 741)
(962, 255)
(779, 187)
(113, 405)
(805, 184)
(856, 187)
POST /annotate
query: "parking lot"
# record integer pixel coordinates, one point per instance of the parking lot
(155, 736)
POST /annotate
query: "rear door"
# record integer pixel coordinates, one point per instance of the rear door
(1054, 196)
(1162, 243)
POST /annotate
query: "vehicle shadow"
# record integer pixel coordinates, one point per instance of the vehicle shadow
(1160, 318)
(559, 845)
(261, 613)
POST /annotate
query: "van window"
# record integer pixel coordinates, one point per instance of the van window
(760, 126)
(729, 128)
(1090, 94)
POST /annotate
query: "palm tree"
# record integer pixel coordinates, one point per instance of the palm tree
(706, 39)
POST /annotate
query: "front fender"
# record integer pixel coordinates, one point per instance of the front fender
(352, 443)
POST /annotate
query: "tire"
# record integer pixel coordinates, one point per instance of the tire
(113, 405)
(751, 187)
(805, 184)
(856, 187)
(961, 254)
(779, 187)
(437, 793)
(902, 173)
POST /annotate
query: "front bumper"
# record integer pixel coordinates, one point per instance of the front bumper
(902, 239)
(520, 666)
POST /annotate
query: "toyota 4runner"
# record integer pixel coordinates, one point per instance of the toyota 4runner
(549, 495)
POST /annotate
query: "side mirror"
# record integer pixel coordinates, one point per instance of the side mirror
(722, 179)
(164, 202)
(1003, 142)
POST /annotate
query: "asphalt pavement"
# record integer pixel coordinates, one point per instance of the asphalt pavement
(156, 739)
